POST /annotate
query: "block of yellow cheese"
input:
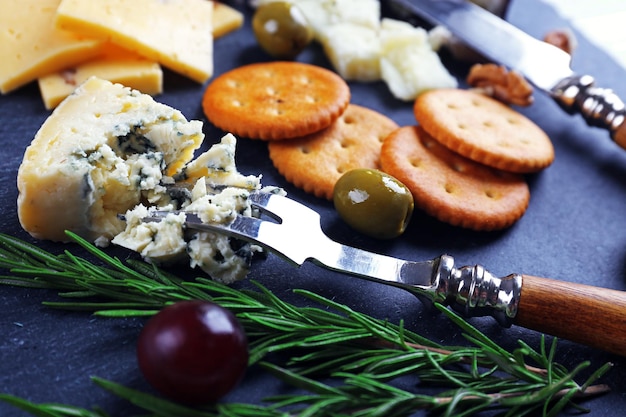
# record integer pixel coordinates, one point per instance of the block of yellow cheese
(119, 65)
(175, 33)
(31, 45)
(225, 19)
(116, 65)
(102, 151)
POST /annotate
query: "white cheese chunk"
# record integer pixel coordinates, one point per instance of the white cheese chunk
(217, 167)
(216, 255)
(360, 12)
(321, 14)
(353, 50)
(408, 63)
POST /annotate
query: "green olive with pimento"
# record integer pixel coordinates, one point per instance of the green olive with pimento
(373, 202)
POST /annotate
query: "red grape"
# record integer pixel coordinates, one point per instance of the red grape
(193, 352)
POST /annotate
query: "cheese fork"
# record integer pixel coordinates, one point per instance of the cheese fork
(585, 314)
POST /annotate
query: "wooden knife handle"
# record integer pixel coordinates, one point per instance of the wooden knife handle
(619, 135)
(589, 315)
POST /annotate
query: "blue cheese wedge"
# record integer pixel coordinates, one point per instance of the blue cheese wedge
(108, 150)
(98, 154)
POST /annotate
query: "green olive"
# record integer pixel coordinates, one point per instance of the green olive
(281, 29)
(373, 203)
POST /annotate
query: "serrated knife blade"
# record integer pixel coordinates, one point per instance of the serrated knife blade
(545, 66)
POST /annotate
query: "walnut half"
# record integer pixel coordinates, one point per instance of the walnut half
(563, 39)
(509, 87)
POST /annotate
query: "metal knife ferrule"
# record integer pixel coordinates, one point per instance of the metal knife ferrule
(600, 107)
(473, 291)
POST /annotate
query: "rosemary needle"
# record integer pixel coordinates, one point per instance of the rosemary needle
(346, 362)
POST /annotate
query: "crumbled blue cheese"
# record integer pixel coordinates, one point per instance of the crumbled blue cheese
(162, 241)
(218, 194)
(223, 257)
(217, 166)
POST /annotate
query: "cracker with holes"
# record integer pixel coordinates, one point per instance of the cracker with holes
(275, 100)
(452, 188)
(315, 162)
(484, 130)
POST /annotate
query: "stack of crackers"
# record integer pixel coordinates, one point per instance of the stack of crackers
(464, 160)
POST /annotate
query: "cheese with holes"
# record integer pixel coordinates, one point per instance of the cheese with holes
(116, 65)
(108, 150)
(119, 65)
(175, 33)
(31, 45)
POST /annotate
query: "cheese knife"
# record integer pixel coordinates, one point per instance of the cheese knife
(581, 313)
(545, 66)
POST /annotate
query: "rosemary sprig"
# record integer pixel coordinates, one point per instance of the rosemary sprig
(346, 362)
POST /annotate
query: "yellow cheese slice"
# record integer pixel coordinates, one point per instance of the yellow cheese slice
(116, 65)
(225, 19)
(102, 151)
(31, 45)
(121, 66)
(175, 33)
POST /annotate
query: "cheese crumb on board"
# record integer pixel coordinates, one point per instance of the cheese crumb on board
(108, 150)
(31, 46)
(116, 65)
(175, 33)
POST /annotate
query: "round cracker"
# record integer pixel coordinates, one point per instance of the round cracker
(452, 188)
(484, 130)
(315, 162)
(275, 100)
